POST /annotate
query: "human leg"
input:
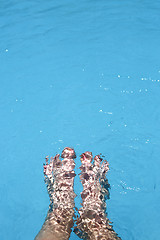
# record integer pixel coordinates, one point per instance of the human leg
(59, 177)
(93, 224)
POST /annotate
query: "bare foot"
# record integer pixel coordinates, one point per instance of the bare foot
(93, 223)
(59, 177)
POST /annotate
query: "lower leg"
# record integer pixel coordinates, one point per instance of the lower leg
(93, 223)
(59, 177)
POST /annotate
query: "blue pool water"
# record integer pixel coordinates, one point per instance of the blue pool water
(83, 74)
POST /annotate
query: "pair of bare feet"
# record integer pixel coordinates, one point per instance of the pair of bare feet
(92, 222)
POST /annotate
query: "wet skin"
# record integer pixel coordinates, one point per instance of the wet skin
(92, 223)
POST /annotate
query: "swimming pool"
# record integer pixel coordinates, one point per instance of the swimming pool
(85, 75)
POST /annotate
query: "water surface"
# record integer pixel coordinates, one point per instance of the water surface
(87, 75)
